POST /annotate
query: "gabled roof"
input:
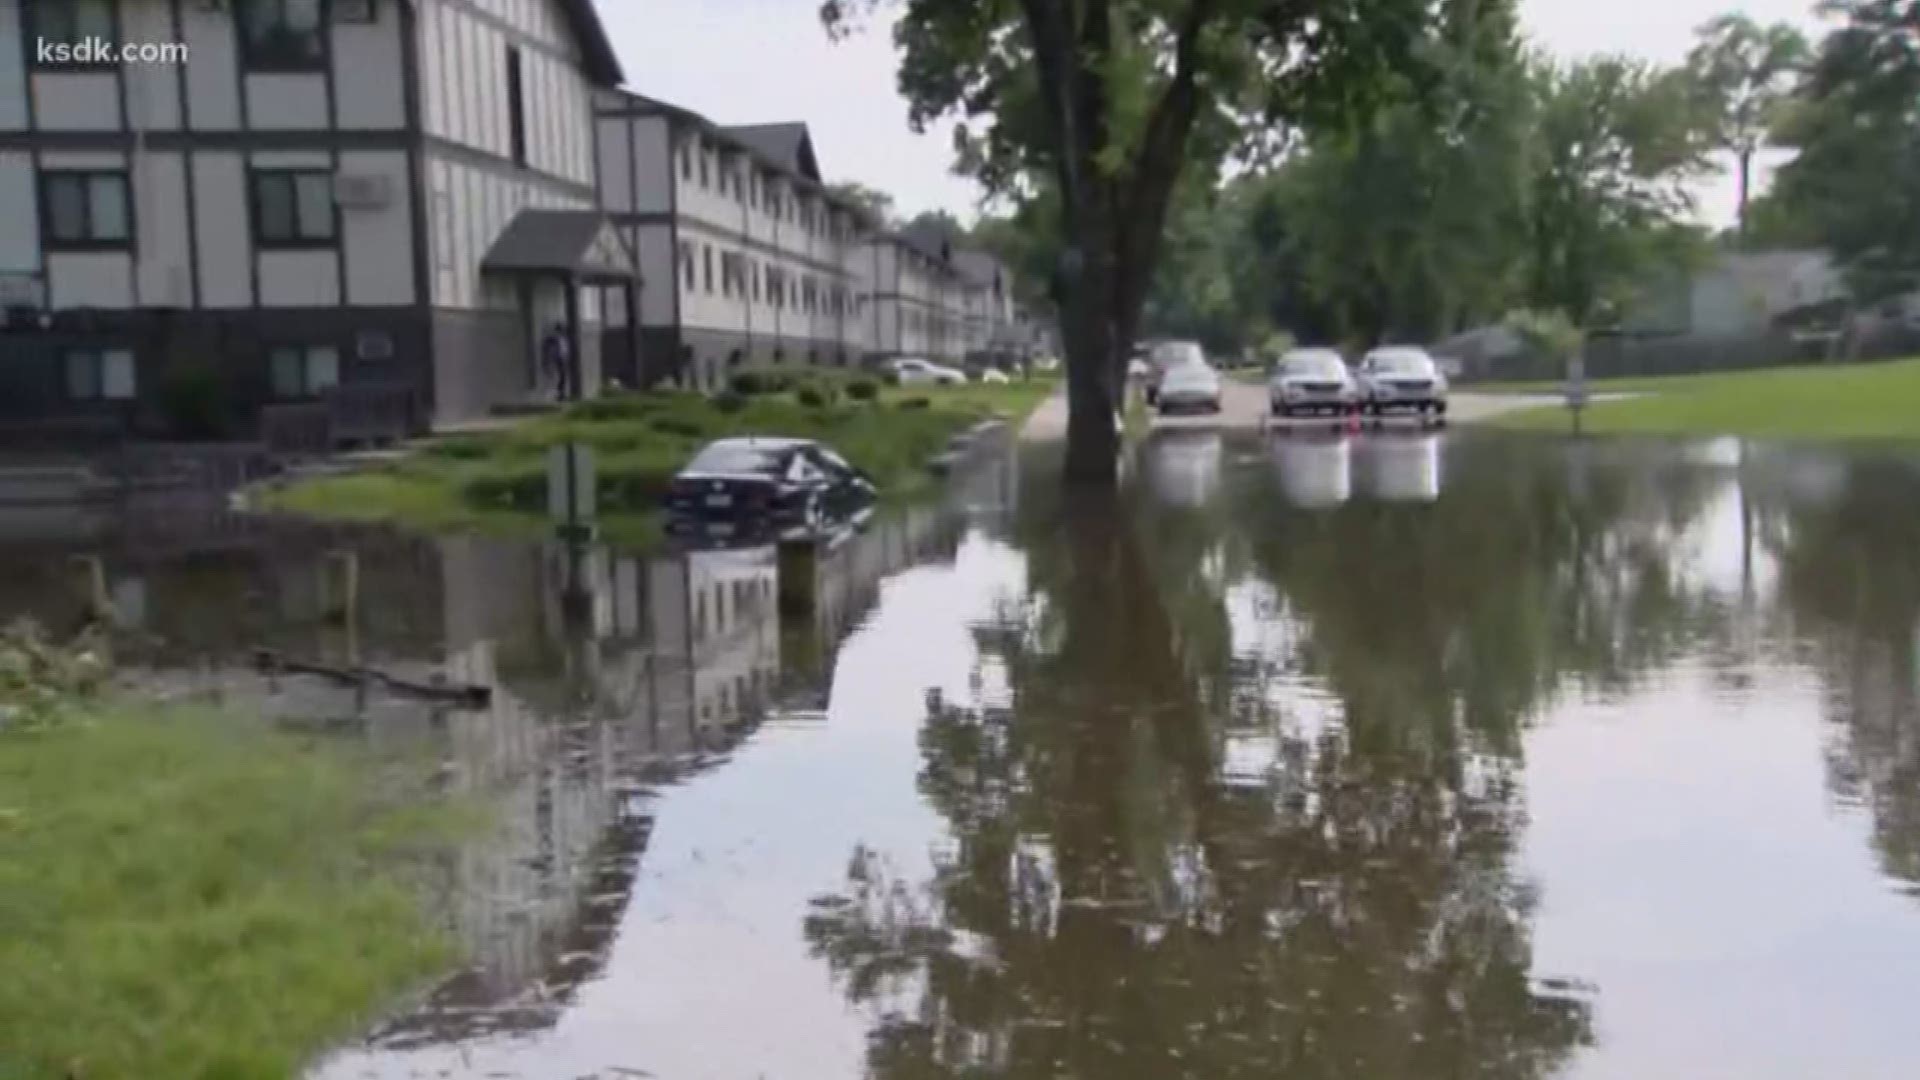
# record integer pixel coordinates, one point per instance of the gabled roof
(929, 240)
(596, 49)
(774, 153)
(786, 143)
(979, 267)
(581, 242)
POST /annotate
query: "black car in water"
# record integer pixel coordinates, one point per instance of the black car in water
(756, 489)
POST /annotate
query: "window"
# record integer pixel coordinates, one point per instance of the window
(516, 107)
(686, 263)
(85, 210)
(686, 162)
(99, 374)
(293, 208)
(703, 165)
(303, 371)
(706, 262)
(282, 35)
(70, 22)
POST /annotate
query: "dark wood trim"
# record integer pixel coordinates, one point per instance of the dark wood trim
(248, 139)
(330, 87)
(515, 36)
(189, 183)
(415, 125)
(119, 70)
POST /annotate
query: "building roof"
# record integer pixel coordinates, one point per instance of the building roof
(578, 242)
(596, 49)
(979, 267)
(927, 239)
(787, 143)
(770, 144)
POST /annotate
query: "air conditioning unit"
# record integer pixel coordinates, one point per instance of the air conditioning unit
(362, 192)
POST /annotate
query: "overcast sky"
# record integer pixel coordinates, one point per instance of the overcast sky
(753, 61)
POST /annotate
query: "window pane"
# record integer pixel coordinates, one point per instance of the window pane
(67, 207)
(92, 18)
(83, 374)
(314, 195)
(108, 202)
(323, 369)
(288, 378)
(275, 197)
(116, 375)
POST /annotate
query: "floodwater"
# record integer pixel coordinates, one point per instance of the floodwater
(1387, 756)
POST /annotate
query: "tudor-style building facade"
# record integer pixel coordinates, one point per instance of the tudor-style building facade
(310, 200)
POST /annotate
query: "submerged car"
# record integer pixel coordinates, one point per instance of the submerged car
(1189, 388)
(753, 489)
(913, 371)
(1402, 379)
(1312, 382)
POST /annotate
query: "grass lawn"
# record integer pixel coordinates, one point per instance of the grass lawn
(1831, 401)
(192, 896)
(497, 481)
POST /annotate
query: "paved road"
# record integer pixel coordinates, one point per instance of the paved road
(1243, 405)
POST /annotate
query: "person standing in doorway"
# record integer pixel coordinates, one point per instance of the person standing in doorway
(555, 358)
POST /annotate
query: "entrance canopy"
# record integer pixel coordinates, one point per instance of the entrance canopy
(578, 244)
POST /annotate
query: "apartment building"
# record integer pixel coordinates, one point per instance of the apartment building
(746, 256)
(393, 194)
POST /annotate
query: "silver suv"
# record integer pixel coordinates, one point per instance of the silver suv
(1404, 379)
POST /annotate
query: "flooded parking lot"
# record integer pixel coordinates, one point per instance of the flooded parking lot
(1392, 755)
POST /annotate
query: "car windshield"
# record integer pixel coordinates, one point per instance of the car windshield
(1313, 366)
(1403, 363)
(736, 458)
(1190, 373)
(1175, 354)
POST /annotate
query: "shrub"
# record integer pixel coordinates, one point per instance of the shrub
(730, 402)
(863, 390)
(41, 681)
(626, 405)
(916, 403)
(679, 425)
(194, 401)
(525, 491)
(813, 397)
(460, 449)
(748, 383)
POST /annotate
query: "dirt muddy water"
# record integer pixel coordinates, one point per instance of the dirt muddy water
(1392, 755)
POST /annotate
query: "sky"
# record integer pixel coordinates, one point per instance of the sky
(757, 61)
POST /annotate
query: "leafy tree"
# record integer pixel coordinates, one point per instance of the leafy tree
(1744, 74)
(875, 202)
(1112, 101)
(1616, 145)
(1856, 179)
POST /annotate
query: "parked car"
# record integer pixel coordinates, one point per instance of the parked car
(1192, 387)
(913, 371)
(757, 489)
(1402, 379)
(1312, 382)
(1166, 356)
(995, 376)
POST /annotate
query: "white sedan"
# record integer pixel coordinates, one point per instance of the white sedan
(913, 371)
(1190, 387)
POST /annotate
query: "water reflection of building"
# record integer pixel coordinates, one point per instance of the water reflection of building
(609, 676)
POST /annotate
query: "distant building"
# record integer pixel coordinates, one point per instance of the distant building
(1737, 293)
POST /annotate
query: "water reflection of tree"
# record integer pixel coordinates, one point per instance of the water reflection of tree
(1472, 611)
(1108, 907)
(1851, 579)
